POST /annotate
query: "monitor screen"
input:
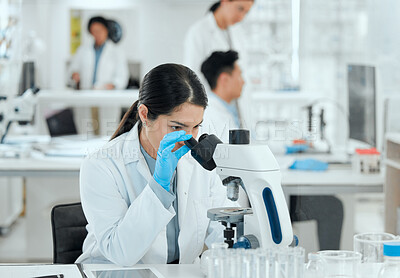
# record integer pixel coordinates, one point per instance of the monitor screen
(61, 123)
(362, 100)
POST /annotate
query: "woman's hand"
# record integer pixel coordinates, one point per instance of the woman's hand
(76, 77)
(167, 160)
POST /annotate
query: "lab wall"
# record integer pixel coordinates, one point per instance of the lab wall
(153, 31)
(332, 34)
(384, 42)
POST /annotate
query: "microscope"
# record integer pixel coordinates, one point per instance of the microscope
(20, 109)
(267, 223)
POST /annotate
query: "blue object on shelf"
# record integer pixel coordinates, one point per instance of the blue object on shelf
(296, 148)
(309, 165)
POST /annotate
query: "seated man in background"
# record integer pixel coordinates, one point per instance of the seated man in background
(224, 77)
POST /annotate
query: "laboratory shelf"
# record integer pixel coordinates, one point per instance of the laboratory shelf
(393, 137)
(290, 96)
(393, 163)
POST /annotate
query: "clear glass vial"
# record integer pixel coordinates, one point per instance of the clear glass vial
(315, 266)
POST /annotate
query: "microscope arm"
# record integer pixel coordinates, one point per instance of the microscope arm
(259, 171)
(257, 168)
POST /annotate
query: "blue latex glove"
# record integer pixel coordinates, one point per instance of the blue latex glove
(296, 148)
(167, 160)
(309, 164)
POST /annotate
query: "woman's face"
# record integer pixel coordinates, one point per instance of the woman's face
(236, 10)
(99, 33)
(186, 117)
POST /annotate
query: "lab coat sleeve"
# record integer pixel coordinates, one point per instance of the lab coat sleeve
(193, 51)
(75, 63)
(165, 197)
(219, 199)
(121, 74)
(124, 233)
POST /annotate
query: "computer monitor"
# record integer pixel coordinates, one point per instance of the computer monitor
(362, 103)
(61, 123)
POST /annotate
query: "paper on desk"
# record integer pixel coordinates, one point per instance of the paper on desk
(71, 148)
(18, 271)
(109, 270)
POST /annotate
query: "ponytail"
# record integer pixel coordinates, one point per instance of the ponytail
(215, 6)
(129, 120)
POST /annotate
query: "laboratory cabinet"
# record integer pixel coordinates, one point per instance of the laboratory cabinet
(392, 183)
(11, 201)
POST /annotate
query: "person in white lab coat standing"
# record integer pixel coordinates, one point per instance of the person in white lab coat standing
(144, 197)
(215, 32)
(218, 31)
(99, 65)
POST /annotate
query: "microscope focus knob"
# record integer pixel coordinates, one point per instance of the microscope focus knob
(247, 242)
(239, 136)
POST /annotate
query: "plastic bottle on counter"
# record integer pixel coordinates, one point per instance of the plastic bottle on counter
(216, 249)
(391, 266)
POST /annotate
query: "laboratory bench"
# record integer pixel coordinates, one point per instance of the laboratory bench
(52, 179)
(158, 270)
(73, 271)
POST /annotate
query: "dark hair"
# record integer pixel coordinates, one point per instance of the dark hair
(164, 89)
(218, 63)
(97, 19)
(214, 6)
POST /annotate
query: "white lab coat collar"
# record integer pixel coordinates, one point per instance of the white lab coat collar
(212, 22)
(131, 152)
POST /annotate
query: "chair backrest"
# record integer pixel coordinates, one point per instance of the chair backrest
(68, 224)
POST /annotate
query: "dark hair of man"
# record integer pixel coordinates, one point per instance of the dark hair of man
(218, 63)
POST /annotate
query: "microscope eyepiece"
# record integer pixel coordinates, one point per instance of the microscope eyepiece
(203, 150)
(191, 143)
(239, 136)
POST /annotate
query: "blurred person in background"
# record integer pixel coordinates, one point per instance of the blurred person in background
(100, 64)
(214, 32)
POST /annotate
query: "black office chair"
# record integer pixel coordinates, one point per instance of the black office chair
(68, 224)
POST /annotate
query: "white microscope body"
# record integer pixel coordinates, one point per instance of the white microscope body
(257, 167)
(267, 224)
(17, 109)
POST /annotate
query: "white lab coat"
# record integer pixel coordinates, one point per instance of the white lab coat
(218, 119)
(205, 37)
(112, 67)
(127, 221)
